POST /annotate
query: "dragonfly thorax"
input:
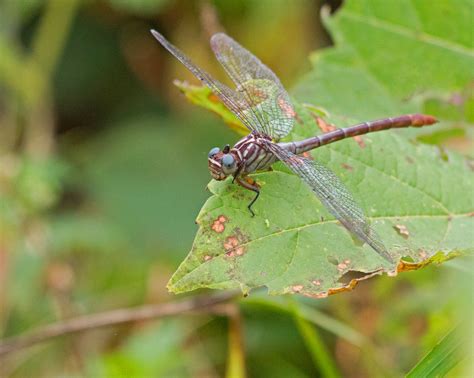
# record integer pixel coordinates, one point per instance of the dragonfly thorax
(247, 156)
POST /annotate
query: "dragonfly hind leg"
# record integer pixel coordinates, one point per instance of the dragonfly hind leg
(250, 184)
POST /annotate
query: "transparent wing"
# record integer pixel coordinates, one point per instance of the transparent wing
(266, 97)
(334, 195)
(234, 100)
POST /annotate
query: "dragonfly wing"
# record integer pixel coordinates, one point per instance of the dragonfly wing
(232, 99)
(334, 195)
(266, 97)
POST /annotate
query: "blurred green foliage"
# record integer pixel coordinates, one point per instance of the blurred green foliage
(103, 171)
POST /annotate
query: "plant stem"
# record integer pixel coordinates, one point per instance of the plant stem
(110, 318)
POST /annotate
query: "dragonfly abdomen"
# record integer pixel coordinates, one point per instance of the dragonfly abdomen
(414, 120)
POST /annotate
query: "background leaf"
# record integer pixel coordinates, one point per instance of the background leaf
(442, 358)
(389, 52)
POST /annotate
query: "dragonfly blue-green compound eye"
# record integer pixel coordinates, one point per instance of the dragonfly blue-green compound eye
(213, 152)
(228, 160)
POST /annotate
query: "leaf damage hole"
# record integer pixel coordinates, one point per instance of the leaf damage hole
(347, 167)
(351, 275)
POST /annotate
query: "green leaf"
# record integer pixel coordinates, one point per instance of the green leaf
(442, 358)
(311, 315)
(418, 199)
(293, 245)
(155, 350)
(391, 37)
(388, 52)
(140, 7)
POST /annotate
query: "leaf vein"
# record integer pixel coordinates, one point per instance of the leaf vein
(403, 31)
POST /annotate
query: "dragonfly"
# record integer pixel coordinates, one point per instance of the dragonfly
(262, 104)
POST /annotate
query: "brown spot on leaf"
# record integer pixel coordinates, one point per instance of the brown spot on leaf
(307, 155)
(347, 167)
(355, 277)
(342, 266)
(230, 243)
(297, 288)
(213, 98)
(402, 230)
(233, 244)
(316, 282)
(470, 163)
(323, 125)
(360, 141)
(219, 224)
(207, 257)
(409, 159)
(298, 119)
(423, 254)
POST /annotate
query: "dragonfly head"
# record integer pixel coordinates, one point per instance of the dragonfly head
(222, 163)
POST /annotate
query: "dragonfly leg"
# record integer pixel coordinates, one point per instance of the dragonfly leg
(237, 173)
(250, 184)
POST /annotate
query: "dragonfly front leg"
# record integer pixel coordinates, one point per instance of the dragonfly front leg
(250, 184)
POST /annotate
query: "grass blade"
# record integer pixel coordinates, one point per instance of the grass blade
(319, 353)
(442, 358)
